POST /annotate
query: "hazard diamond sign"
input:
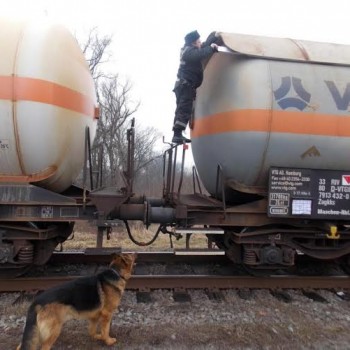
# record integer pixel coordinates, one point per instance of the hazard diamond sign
(345, 180)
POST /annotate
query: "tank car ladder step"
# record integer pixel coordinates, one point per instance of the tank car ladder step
(199, 252)
(201, 231)
(196, 230)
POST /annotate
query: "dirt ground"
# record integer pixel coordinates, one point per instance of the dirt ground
(232, 323)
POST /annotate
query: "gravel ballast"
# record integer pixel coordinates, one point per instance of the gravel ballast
(261, 322)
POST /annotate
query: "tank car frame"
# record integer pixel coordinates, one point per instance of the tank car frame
(249, 235)
(34, 221)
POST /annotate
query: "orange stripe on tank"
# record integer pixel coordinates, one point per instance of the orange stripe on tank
(6, 88)
(261, 120)
(38, 90)
(46, 173)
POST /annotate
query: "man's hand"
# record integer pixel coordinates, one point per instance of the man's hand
(214, 47)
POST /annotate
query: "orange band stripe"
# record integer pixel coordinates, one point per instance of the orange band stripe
(46, 173)
(272, 121)
(38, 90)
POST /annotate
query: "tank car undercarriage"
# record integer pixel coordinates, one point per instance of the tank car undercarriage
(275, 246)
(34, 221)
(280, 245)
(251, 238)
(244, 232)
(30, 243)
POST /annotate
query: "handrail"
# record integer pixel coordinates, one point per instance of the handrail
(182, 168)
(194, 179)
(87, 159)
(131, 156)
(169, 171)
(220, 176)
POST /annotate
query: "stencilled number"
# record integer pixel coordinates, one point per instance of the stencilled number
(322, 185)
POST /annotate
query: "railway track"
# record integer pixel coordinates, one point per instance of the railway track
(165, 270)
(184, 282)
(103, 256)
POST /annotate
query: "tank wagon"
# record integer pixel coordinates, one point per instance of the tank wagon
(272, 125)
(47, 100)
(270, 140)
(48, 118)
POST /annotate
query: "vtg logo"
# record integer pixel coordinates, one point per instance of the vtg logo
(285, 99)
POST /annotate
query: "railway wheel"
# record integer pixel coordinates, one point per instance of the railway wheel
(23, 245)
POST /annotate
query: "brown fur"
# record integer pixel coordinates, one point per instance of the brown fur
(94, 298)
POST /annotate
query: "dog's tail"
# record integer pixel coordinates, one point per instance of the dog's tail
(30, 337)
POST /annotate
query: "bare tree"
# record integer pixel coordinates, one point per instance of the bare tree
(116, 111)
(149, 179)
(95, 49)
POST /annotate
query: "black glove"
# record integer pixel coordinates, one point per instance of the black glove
(212, 38)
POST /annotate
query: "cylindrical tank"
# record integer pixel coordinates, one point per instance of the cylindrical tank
(47, 99)
(271, 102)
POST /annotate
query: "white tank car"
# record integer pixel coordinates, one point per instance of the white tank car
(47, 98)
(271, 102)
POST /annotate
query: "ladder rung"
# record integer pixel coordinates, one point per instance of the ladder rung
(199, 252)
(102, 251)
(212, 231)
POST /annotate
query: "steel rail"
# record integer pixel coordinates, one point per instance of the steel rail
(238, 282)
(142, 282)
(103, 256)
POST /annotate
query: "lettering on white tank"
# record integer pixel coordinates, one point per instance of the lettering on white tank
(4, 145)
(291, 93)
(342, 102)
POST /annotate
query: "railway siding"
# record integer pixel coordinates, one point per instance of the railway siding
(233, 322)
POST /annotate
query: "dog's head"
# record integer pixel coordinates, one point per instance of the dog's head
(123, 263)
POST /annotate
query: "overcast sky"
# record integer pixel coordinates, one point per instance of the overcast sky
(148, 34)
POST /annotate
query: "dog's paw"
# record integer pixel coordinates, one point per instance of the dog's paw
(97, 336)
(110, 341)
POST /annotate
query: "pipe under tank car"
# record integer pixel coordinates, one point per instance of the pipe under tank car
(47, 99)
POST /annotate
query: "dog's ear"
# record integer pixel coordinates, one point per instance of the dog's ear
(128, 258)
(116, 260)
(114, 255)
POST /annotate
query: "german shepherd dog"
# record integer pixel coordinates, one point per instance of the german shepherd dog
(94, 298)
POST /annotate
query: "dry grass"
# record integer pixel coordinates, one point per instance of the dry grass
(85, 237)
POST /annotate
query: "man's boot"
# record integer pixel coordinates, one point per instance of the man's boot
(178, 138)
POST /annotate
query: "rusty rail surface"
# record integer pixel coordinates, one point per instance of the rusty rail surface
(142, 282)
(145, 280)
(103, 256)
